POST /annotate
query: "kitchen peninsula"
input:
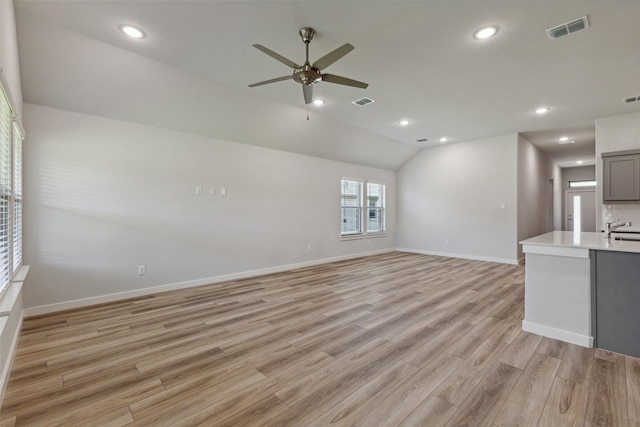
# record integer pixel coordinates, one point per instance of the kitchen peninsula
(584, 289)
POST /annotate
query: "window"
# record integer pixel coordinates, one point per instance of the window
(10, 193)
(351, 206)
(375, 207)
(352, 197)
(581, 184)
(17, 196)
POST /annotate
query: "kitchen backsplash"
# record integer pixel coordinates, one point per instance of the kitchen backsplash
(630, 212)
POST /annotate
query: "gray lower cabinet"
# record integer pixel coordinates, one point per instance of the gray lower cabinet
(617, 298)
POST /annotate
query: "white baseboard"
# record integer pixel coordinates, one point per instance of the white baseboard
(101, 299)
(558, 334)
(462, 256)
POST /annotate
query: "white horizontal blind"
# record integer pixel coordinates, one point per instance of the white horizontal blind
(6, 128)
(375, 208)
(17, 196)
(350, 206)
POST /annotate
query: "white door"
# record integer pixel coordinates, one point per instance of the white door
(580, 210)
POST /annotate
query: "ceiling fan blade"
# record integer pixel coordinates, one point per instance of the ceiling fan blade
(332, 56)
(276, 56)
(331, 78)
(307, 90)
(266, 82)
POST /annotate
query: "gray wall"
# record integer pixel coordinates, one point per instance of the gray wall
(104, 196)
(450, 196)
(535, 192)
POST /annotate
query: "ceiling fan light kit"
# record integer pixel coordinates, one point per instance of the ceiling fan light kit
(309, 74)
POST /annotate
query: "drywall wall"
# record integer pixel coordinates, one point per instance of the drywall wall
(103, 197)
(535, 192)
(616, 133)
(9, 63)
(11, 300)
(450, 197)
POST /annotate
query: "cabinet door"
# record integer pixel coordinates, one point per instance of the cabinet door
(621, 178)
(617, 302)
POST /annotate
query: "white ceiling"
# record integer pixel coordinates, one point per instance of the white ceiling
(191, 72)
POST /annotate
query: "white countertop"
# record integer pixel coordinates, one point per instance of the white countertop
(569, 239)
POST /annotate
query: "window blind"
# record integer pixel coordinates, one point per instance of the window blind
(351, 206)
(6, 130)
(17, 196)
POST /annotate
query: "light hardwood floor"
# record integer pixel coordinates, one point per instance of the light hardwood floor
(390, 340)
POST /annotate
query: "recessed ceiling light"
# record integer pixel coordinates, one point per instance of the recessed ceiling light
(133, 32)
(563, 139)
(403, 122)
(579, 162)
(318, 101)
(485, 33)
(444, 139)
(542, 110)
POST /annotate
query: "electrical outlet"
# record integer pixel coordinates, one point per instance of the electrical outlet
(446, 243)
(212, 191)
(308, 248)
(142, 270)
(198, 190)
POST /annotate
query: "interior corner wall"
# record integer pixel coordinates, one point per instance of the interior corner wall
(536, 180)
(617, 133)
(103, 197)
(450, 197)
(558, 198)
(9, 62)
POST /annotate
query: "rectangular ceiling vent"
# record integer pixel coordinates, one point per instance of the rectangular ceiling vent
(363, 101)
(568, 28)
(632, 99)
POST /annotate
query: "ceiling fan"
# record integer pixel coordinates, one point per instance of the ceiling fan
(308, 74)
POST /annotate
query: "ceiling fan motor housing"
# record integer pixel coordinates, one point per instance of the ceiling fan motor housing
(307, 75)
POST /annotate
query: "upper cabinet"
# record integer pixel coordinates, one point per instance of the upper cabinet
(621, 177)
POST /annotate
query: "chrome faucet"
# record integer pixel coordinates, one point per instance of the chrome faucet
(613, 225)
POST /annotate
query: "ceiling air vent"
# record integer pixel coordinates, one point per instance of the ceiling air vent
(568, 28)
(363, 101)
(632, 99)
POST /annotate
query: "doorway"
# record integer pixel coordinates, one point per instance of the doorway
(580, 210)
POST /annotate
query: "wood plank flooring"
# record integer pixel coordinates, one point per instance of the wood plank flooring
(395, 339)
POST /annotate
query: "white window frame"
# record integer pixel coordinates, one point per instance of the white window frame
(11, 137)
(363, 210)
(381, 209)
(359, 217)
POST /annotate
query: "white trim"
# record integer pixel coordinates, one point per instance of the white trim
(462, 256)
(559, 334)
(4, 375)
(101, 299)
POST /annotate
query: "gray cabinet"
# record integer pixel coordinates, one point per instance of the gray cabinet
(617, 308)
(621, 177)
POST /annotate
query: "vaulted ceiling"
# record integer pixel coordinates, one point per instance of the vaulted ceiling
(192, 70)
